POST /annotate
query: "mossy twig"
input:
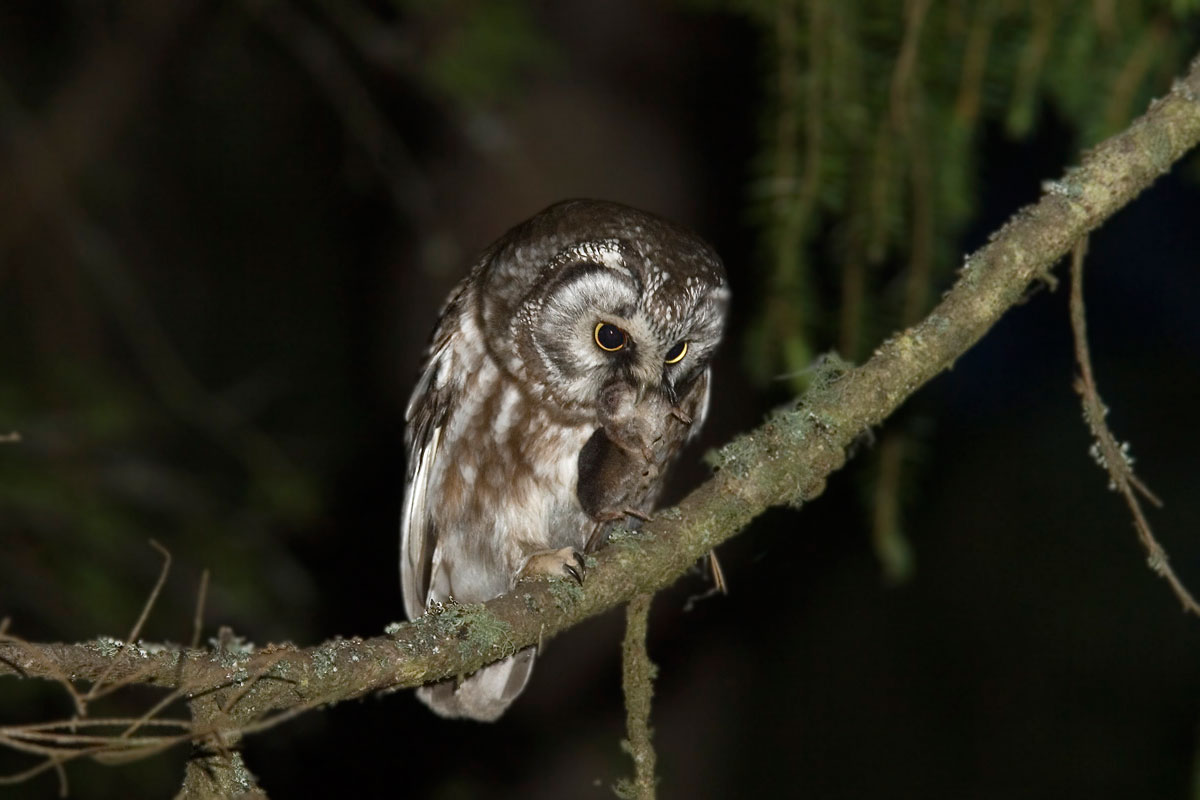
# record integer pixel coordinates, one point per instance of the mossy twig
(1112, 455)
(637, 680)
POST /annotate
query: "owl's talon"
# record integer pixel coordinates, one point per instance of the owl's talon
(575, 570)
(681, 415)
(618, 514)
(566, 562)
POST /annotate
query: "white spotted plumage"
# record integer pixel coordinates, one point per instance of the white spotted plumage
(520, 427)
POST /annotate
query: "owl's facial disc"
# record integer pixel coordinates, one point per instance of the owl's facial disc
(583, 331)
(594, 324)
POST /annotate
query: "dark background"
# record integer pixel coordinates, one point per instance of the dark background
(225, 233)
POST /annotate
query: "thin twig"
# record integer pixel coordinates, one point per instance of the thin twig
(638, 673)
(46, 739)
(54, 763)
(94, 692)
(99, 722)
(64, 788)
(114, 757)
(57, 741)
(58, 748)
(1114, 456)
(149, 717)
(198, 618)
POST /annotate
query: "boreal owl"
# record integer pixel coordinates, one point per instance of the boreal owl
(565, 373)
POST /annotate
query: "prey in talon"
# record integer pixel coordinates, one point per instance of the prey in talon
(565, 374)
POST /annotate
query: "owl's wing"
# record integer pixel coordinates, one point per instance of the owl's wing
(431, 401)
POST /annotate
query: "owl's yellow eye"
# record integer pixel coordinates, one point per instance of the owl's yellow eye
(676, 353)
(609, 337)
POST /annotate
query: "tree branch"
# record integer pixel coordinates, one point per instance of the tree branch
(1110, 454)
(784, 461)
(637, 680)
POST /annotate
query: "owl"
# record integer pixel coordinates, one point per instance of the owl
(564, 375)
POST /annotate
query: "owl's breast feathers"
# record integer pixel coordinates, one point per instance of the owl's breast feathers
(492, 477)
(510, 480)
(497, 473)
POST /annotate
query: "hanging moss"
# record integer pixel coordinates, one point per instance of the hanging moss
(868, 162)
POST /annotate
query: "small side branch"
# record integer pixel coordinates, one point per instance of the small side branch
(1108, 452)
(96, 691)
(219, 775)
(637, 680)
(198, 617)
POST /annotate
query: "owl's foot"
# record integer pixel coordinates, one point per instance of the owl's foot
(562, 563)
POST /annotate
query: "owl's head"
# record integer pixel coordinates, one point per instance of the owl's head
(590, 292)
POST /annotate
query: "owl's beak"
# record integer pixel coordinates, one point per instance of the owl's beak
(644, 378)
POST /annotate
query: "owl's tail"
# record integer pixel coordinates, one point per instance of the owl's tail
(484, 695)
